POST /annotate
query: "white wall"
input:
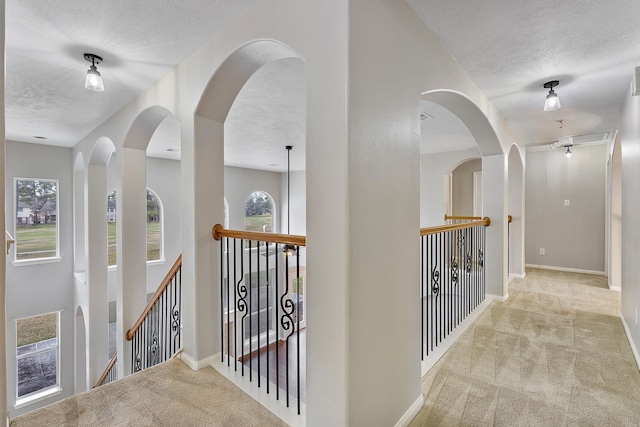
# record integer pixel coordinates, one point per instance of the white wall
(573, 236)
(629, 131)
(41, 288)
(433, 167)
(239, 183)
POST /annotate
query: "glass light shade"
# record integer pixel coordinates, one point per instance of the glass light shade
(93, 80)
(552, 102)
(568, 152)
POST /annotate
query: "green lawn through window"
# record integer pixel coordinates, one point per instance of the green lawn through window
(35, 241)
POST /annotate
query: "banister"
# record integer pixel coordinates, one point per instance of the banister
(165, 283)
(486, 221)
(218, 232)
(462, 218)
(107, 369)
(509, 218)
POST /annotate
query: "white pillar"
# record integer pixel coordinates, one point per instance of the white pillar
(494, 196)
(96, 273)
(3, 258)
(132, 250)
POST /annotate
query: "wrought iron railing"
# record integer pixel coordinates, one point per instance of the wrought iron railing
(110, 372)
(262, 309)
(452, 278)
(155, 337)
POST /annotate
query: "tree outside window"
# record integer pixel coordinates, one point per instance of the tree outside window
(36, 218)
(258, 212)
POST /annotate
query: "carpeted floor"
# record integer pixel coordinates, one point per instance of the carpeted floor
(170, 394)
(554, 354)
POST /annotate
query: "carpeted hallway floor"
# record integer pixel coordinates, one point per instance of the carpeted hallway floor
(170, 394)
(555, 354)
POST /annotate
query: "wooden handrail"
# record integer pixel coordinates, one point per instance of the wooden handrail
(509, 218)
(442, 228)
(107, 369)
(165, 282)
(218, 232)
(462, 218)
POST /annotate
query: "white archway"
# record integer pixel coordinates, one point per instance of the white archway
(494, 183)
(615, 220)
(205, 186)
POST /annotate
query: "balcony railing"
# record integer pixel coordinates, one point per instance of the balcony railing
(452, 277)
(262, 286)
(155, 337)
(110, 372)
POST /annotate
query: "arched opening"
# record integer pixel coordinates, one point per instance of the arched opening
(466, 189)
(494, 182)
(80, 371)
(615, 250)
(152, 144)
(212, 136)
(515, 229)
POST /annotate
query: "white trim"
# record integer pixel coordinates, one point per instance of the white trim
(196, 365)
(631, 343)
(277, 407)
(568, 270)
(498, 298)
(616, 288)
(155, 262)
(411, 412)
(37, 396)
(442, 348)
(33, 261)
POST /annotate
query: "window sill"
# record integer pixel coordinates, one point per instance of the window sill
(37, 397)
(156, 262)
(23, 262)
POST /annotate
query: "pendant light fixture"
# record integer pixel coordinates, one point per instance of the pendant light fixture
(94, 80)
(552, 102)
(568, 152)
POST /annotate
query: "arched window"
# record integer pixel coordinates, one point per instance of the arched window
(259, 212)
(111, 228)
(155, 248)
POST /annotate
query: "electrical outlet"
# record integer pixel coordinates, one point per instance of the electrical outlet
(541, 251)
(567, 202)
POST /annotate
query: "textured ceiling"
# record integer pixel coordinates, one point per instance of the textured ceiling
(140, 41)
(510, 48)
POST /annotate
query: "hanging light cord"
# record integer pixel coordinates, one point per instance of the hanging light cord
(289, 147)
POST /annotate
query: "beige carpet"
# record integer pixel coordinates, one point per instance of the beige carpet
(555, 354)
(170, 394)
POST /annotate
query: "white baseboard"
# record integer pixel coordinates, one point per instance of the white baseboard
(196, 365)
(566, 269)
(615, 288)
(411, 412)
(634, 349)
(498, 298)
(446, 343)
(278, 407)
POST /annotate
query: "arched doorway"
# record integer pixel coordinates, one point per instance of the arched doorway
(516, 211)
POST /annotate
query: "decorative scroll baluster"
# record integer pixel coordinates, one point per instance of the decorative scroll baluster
(452, 277)
(156, 335)
(266, 301)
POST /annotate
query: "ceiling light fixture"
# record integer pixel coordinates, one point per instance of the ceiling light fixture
(568, 152)
(93, 80)
(552, 102)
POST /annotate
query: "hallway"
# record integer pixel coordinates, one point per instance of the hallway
(554, 354)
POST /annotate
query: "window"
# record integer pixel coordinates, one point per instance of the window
(36, 219)
(258, 212)
(37, 353)
(111, 228)
(154, 227)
